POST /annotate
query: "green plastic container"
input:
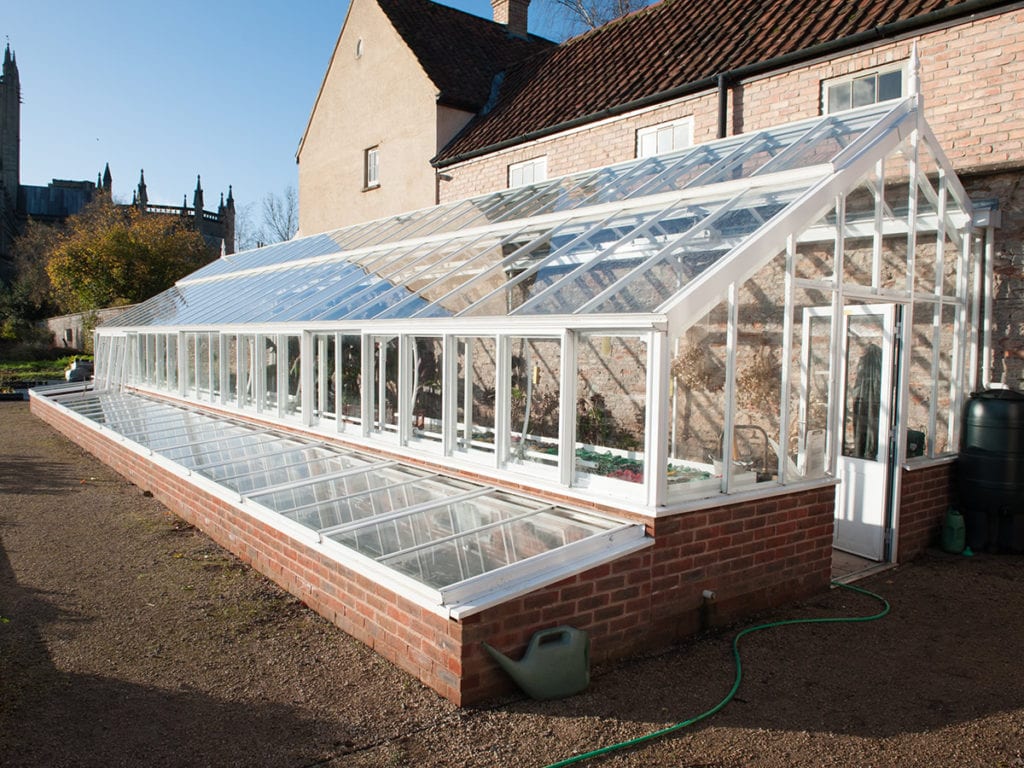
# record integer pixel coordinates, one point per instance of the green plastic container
(954, 532)
(556, 663)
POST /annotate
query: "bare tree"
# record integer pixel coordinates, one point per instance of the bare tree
(576, 16)
(280, 217)
(247, 234)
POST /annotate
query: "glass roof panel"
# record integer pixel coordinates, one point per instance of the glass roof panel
(443, 261)
(438, 530)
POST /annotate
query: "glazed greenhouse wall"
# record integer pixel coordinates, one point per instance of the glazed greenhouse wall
(753, 343)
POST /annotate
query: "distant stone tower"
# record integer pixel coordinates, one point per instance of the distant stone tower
(10, 127)
(10, 150)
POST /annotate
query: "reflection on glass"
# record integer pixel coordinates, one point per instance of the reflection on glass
(535, 389)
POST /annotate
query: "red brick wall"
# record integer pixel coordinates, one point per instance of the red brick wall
(753, 555)
(925, 495)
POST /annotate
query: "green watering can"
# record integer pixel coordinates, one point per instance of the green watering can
(556, 663)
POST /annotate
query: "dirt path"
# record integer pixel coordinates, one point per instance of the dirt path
(127, 638)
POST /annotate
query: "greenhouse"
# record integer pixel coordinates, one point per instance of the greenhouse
(686, 374)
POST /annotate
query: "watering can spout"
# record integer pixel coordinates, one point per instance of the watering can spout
(556, 663)
(510, 666)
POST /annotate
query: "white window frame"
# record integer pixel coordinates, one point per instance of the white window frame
(662, 138)
(863, 75)
(528, 172)
(371, 167)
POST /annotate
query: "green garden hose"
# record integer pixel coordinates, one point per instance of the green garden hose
(736, 684)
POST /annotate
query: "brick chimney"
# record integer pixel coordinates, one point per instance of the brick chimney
(511, 13)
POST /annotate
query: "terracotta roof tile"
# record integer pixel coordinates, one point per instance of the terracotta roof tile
(671, 45)
(460, 53)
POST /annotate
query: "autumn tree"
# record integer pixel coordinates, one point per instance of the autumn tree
(112, 255)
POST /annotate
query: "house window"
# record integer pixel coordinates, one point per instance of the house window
(371, 168)
(528, 172)
(863, 88)
(664, 137)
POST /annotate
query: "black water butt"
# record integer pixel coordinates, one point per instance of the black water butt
(991, 471)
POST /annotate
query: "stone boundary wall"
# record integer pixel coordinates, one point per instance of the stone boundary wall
(752, 555)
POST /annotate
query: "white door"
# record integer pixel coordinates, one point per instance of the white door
(862, 497)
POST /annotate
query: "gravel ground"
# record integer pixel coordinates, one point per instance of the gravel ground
(128, 638)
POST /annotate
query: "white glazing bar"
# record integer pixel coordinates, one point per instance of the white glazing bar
(958, 380)
(879, 233)
(567, 409)
(986, 346)
(833, 441)
(307, 389)
(449, 393)
(729, 417)
(502, 400)
(936, 340)
(907, 336)
(789, 301)
(660, 413)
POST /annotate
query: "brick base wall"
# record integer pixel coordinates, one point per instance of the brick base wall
(925, 495)
(752, 555)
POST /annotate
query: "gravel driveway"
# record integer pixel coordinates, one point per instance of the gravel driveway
(127, 638)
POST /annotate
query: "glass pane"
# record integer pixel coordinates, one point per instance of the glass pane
(807, 444)
(269, 377)
(862, 426)
(427, 399)
(385, 385)
(351, 375)
(864, 91)
(697, 406)
(890, 85)
(324, 371)
(611, 408)
(477, 366)
(535, 390)
(840, 97)
(294, 401)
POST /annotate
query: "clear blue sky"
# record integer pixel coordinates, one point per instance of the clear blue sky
(222, 89)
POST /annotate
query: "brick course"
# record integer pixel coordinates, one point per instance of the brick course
(753, 555)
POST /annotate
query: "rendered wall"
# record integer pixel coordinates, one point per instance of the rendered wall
(753, 555)
(382, 98)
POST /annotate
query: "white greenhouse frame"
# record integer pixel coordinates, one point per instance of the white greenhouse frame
(637, 254)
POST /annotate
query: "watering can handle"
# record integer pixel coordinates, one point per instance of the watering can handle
(547, 635)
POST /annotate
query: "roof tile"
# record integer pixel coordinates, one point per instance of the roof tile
(460, 53)
(669, 45)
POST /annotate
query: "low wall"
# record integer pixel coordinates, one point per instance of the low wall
(926, 493)
(753, 555)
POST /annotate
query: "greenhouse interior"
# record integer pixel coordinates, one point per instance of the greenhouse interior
(473, 401)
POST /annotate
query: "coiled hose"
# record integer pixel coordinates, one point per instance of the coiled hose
(739, 676)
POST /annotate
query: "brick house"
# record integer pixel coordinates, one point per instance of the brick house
(643, 394)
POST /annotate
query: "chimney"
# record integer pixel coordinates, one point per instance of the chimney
(511, 13)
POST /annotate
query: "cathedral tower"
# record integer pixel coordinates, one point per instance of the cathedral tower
(10, 127)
